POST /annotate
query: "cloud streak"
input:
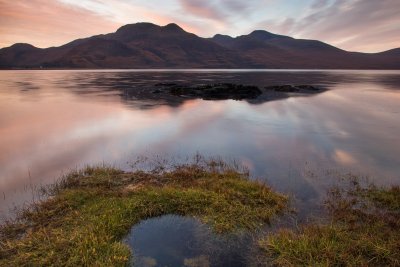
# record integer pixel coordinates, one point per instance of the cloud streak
(369, 26)
(48, 23)
(203, 9)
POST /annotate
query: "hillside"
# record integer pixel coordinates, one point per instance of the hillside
(146, 45)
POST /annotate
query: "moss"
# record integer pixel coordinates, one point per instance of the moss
(90, 211)
(364, 230)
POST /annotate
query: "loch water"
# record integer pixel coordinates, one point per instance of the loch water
(52, 121)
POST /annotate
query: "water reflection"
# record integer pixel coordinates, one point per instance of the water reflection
(183, 241)
(135, 87)
(51, 121)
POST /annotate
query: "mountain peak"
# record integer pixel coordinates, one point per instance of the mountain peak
(173, 27)
(23, 46)
(222, 36)
(262, 35)
(224, 40)
(137, 27)
(393, 52)
(141, 29)
(146, 45)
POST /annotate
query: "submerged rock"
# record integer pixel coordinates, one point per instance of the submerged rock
(218, 91)
(165, 84)
(287, 88)
(308, 87)
(175, 92)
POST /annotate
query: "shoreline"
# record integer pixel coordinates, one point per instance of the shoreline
(89, 212)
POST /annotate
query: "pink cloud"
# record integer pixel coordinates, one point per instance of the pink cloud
(367, 26)
(48, 23)
(202, 9)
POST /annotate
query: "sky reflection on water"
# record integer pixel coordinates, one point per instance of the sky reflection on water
(52, 121)
(172, 240)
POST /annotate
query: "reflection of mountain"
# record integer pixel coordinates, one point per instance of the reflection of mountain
(139, 90)
(145, 45)
(136, 88)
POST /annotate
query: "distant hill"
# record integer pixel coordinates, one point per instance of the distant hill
(146, 45)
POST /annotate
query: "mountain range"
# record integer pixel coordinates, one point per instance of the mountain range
(146, 45)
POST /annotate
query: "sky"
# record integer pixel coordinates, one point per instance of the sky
(354, 25)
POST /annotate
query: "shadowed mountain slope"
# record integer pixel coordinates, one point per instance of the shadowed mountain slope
(146, 45)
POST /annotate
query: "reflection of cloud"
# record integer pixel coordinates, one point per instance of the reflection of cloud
(43, 137)
(85, 132)
(186, 125)
(354, 125)
(343, 157)
(247, 163)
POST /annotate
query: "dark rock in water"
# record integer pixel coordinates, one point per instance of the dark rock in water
(292, 88)
(165, 84)
(283, 88)
(308, 87)
(219, 91)
(176, 93)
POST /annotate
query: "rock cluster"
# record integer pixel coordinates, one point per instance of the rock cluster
(218, 91)
(224, 91)
(287, 88)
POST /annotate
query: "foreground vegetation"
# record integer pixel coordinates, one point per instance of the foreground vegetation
(363, 230)
(89, 212)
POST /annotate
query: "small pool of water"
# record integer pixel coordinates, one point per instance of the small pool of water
(172, 240)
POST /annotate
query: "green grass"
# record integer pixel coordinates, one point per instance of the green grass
(89, 212)
(364, 230)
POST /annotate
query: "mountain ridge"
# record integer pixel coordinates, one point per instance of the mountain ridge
(147, 45)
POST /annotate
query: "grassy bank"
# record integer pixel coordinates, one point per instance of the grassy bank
(90, 211)
(363, 230)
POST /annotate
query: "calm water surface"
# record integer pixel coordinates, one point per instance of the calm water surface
(53, 121)
(173, 240)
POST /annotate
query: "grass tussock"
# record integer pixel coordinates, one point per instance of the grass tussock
(364, 230)
(89, 211)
